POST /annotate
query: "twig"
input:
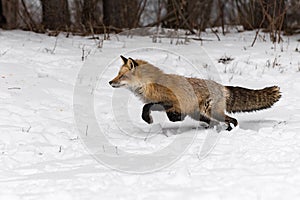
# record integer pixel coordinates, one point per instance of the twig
(55, 44)
(117, 151)
(82, 55)
(221, 6)
(140, 11)
(215, 32)
(76, 138)
(32, 23)
(178, 37)
(185, 22)
(86, 130)
(14, 88)
(255, 38)
(4, 52)
(27, 131)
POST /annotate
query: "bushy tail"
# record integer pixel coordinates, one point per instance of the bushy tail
(247, 100)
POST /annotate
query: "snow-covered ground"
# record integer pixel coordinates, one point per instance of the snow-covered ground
(43, 157)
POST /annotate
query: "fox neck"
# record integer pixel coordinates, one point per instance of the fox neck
(138, 91)
(145, 74)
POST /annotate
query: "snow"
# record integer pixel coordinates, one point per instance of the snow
(45, 156)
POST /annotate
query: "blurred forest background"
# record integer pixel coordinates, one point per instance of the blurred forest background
(85, 17)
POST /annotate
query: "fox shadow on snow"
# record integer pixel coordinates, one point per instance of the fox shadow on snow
(254, 125)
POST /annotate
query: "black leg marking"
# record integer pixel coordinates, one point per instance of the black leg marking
(175, 116)
(209, 121)
(146, 115)
(200, 117)
(204, 119)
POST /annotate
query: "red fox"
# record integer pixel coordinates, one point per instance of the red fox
(179, 96)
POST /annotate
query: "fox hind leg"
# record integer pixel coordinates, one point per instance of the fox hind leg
(214, 118)
(216, 111)
(203, 118)
(225, 118)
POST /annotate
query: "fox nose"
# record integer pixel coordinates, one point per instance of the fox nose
(110, 82)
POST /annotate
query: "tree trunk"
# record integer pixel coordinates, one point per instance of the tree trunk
(199, 13)
(293, 16)
(10, 9)
(56, 14)
(111, 13)
(88, 17)
(275, 13)
(2, 18)
(176, 14)
(120, 14)
(184, 14)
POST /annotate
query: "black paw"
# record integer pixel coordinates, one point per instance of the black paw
(229, 128)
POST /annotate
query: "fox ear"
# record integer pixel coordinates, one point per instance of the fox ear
(124, 59)
(131, 63)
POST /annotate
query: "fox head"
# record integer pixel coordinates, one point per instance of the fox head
(127, 74)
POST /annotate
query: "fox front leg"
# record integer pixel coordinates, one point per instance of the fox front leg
(175, 116)
(146, 115)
